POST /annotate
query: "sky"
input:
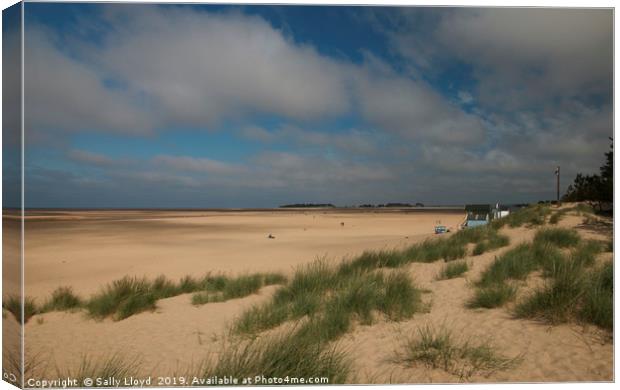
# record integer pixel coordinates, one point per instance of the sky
(204, 106)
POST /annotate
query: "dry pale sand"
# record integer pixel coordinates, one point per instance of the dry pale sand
(88, 249)
(178, 335)
(549, 353)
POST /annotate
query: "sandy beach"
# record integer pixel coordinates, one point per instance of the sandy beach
(87, 250)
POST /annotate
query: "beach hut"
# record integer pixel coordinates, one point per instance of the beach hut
(478, 214)
(500, 211)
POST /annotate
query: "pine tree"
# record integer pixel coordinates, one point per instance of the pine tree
(597, 189)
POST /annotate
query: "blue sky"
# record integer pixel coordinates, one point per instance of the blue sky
(256, 106)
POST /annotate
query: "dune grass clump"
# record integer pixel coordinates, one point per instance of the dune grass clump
(370, 260)
(334, 296)
(451, 248)
(303, 295)
(162, 287)
(273, 278)
(13, 304)
(578, 209)
(62, 298)
(242, 286)
(187, 285)
(560, 237)
(266, 316)
(572, 289)
(533, 215)
(494, 241)
(293, 353)
(586, 251)
(221, 288)
(131, 295)
(559, 214)
(454, 247)
(122, 298)
(584, 208)
(447, 249)
(573, 293)
(204, 297)
(400, 299)
(582, 256)
(428, 251)
(486, 239)
(517, 263)
(453, 270)
(492, 296)
(114, 366)
(598, 306)
(480, 248)
(556, 217)
(440, 349)
(556, 301)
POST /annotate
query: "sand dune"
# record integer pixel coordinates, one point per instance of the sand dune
(178, 335)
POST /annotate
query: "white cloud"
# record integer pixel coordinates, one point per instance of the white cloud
(199, 68)
(520, 56)
(62, 93)
(177, 67)
(257, 133)
(194, 164)
(529, 108)
(349, 141)
(414, 110)
(465, 97)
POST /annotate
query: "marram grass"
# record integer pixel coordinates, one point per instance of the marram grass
(438, 348)
(453, 270)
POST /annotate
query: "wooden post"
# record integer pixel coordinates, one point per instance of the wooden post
(557, 174)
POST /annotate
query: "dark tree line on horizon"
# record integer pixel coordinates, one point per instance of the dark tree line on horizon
(597, 189)
(306, 205)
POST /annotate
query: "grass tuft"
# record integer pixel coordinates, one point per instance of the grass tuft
(573, 291)
(533, 215)
(220, 288)
(332, 297)
(270, 279)
(204, 297)
(401, 299)
(292, 354)
(122, 298)
(560, 237)
(13, 304)
(439, 349)
(598, 306)
(62, 298)
(492, 296)
(585, 253)
(114, 366)
(164, 288)
(453, 270)
(517, 263)
(262, 317)
(555, 302)
(187, 285)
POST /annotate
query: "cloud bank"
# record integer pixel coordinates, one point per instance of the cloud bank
(468, 105)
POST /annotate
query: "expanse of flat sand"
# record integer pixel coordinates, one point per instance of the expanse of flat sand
(86, 252)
